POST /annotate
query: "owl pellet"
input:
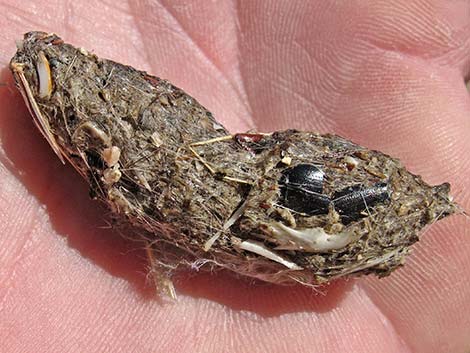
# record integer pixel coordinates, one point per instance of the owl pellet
(284, 207)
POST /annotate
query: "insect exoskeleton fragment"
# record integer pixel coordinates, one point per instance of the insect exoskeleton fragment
(301, 189)
(353, 201)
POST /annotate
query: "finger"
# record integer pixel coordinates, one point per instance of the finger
(298, 71)
(426, 302)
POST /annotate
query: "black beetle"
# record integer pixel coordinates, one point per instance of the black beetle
(301, 190)
(352, 201)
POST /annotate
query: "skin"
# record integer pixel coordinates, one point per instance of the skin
(387, 75)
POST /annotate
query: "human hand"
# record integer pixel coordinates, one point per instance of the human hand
(387, 76)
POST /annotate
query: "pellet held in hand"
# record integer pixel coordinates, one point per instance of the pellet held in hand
(284, 207)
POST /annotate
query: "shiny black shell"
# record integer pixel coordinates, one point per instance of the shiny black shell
(352, 201)
(301, 190)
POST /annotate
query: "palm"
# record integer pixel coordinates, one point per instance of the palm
(387, 76)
